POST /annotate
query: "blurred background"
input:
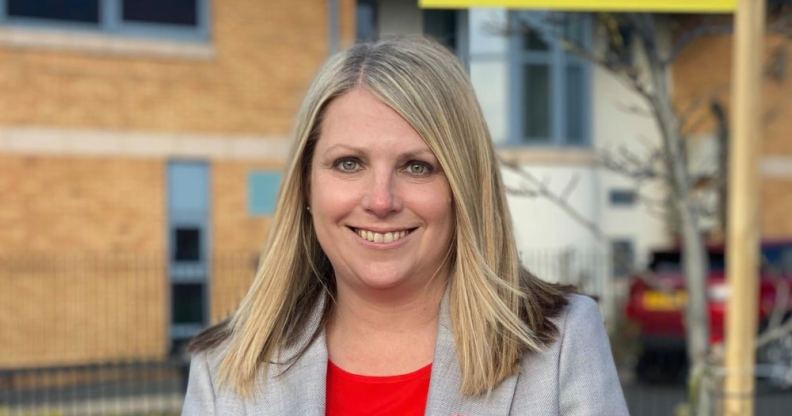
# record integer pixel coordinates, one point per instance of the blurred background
(142, 144)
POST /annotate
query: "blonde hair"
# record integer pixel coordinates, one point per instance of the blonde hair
(499, 312)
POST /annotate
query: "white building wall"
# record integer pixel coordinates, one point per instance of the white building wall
(543, 230)
(622, 120)
(539, 224)
(488, 63)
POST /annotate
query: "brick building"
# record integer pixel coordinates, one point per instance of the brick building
(140, 149)
(703, 75)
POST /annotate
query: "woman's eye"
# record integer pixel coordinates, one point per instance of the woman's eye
(418, 169)
(347, 165)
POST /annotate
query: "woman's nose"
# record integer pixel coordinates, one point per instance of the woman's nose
(381, 198)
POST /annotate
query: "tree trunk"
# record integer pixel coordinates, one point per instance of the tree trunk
(694, 255)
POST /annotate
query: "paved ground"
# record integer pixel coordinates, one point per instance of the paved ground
(661, 400)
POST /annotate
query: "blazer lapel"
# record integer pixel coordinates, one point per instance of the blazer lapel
(300, 389)
(444, 397)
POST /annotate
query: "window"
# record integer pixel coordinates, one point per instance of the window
(622, 197)
(188, 228)
(623, 257)
(184, 19)
(551, 86)
(187, 303)
(187, 243)
(366, 19)
(173, 12)
(263, 192)
(442, 26)
(84, 11)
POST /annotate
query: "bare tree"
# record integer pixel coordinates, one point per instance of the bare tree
(648, 78)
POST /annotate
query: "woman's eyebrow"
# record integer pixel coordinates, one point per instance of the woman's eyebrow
(345, 147)
(418, 153)
(406, 155)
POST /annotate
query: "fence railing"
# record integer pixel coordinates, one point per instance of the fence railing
(87, 334)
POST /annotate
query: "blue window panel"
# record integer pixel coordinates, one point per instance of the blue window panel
(550, 87)
(188, 184)
(263, 192)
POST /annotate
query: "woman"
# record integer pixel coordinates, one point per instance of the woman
(390, 284)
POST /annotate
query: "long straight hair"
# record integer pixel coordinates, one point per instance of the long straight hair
(499, 311)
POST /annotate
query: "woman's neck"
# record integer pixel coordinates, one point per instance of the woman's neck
(381, 335)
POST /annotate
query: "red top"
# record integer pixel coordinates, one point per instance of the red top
(353, 394)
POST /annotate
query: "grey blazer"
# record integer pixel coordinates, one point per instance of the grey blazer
(574, 376)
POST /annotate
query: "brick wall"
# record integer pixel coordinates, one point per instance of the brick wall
(95, 287)
(237, 236)
(703, 72)
(73, 204)
(265, 53)
(81, 260)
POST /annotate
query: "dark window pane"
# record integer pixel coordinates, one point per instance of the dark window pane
(622, 197)
(188, 244)
(574, 29)
(441, 25)
(671, 261)
(534, 41)
(366, 15)
(536, 118)
(175, 12)
(574, 104)
(623, 257)
(187, 303)
(84, 11)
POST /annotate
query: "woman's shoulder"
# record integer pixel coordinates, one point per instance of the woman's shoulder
(579, 308)
(576, 312)
(580, 324)
(208, 348)
(579, 362)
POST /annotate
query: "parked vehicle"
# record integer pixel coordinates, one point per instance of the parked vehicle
(657, 299)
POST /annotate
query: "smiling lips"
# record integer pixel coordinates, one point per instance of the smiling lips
(387, 237)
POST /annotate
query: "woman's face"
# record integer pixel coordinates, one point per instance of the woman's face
(380, 204)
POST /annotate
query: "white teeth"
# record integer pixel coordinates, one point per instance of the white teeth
(388, 237)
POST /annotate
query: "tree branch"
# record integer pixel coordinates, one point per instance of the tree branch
(541, 189)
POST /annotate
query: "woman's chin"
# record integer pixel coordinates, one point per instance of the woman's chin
(382, 283)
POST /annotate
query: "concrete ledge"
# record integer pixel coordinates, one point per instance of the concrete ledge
(776, 166)
(102, 44)
(548, 156)
(39, 140)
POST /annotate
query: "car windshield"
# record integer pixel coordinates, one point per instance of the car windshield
(775, 257)
(671, 262)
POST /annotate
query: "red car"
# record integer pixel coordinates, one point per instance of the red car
(657, 299)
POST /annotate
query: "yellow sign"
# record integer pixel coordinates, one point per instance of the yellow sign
(684, 6)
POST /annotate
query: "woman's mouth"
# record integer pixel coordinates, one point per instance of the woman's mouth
(382, 237)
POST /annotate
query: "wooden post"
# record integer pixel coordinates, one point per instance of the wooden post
(743, 228)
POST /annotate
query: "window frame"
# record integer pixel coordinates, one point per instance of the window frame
(556, 59)
(111, 23)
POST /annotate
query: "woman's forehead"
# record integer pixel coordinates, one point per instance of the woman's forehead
(359, 121)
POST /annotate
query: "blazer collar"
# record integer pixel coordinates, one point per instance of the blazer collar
(301, 388)
(296, 387)
(444, 396)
